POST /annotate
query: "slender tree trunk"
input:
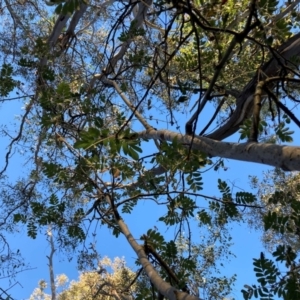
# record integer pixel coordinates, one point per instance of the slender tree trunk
(50, 264)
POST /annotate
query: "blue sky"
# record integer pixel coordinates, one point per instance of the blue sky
(246, 242)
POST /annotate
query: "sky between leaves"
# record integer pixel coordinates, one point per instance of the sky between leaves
(237, 173)
(246, 242)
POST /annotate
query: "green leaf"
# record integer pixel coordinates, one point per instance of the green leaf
(53, 199)
(75, 231)
(28, 63)
(128, 206)
(81, 144)
(283, 133)
(31, 229)
(51, 169)
(171, 250)
(48, 74)
(63, 90)
(58, 9)
(155, 238)
(182, 99)
(20, 218)
(245, 198)
(99, 122)
(7, 83)
(133, 154)
(204, 217)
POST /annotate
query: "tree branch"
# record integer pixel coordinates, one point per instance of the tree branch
(285, 157)
(163, 287)
(244, 104)
(238, 38)
(138, 21)
(50, 259)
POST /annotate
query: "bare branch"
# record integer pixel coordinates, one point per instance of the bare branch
(138, 21)
(127, 102)
(244, 105)
(238, 38)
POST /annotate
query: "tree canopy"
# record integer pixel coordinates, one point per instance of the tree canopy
(127, 101)
(100, 285)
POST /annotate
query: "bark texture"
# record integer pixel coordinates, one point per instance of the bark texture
(285, 157)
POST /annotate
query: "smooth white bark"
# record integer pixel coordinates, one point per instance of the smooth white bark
(163, 287)
(282, 156)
